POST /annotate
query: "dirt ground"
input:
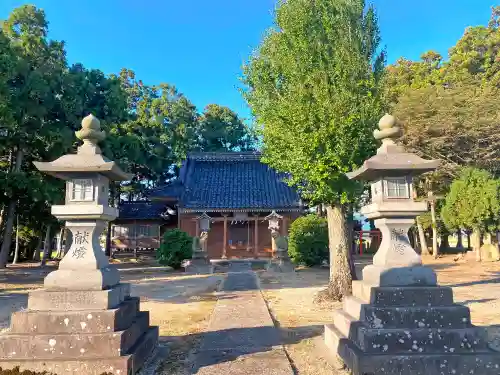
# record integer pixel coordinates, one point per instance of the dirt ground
(290, 299)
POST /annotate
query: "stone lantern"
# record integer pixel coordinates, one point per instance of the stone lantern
(274, 226)
(394, 209)
(200, 263)
(281, 261)
(398, 320)
(84, 320)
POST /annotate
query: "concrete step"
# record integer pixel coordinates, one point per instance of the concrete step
(346, 324)
(402, 341)
(453, 316)
(408, 296)
(60, 322)
(57, 346)
(419, 364)
(361, 363)
(118, 365)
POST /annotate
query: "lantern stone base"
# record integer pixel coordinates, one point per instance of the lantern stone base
(414, 330)
(399, 276)
(199, 264)
(73, 332)
(280, 265)
(96, 279)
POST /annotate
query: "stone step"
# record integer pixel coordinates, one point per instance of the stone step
(73, 300)
(121, 365)
(346, 324)
(402, 341)
(407, 296)
(108, 344)
(58, 322)
(453, 316)
(360, 363)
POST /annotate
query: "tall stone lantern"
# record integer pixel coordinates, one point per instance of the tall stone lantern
(200, 264)
(398, 320)
(280, 261)
(84, 320)
(394, 209)
(273, 220)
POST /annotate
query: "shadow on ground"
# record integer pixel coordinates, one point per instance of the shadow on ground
(211, 348)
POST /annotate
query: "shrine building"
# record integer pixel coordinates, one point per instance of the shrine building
(236, 190)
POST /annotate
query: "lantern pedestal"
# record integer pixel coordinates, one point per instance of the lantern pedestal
(85, 266)
(199, 263)
(281, 262)
(396, 263)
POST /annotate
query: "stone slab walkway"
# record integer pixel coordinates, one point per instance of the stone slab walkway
(241, 338)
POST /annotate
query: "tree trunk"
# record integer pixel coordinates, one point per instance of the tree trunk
(350, 228)
(476, 243)
(412, 238)
(9, 224)
(460, 244)
(107, 250)
(16, 251)
(445, 243)
(59, 254)
(2, 218)
(421, 237)
(435, 249)
(68, 239)
(47, 248)
(340, 283)
(36, 254)
(494, 242)
(468, 240)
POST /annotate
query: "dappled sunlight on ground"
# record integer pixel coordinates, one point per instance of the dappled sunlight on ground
(290, 300)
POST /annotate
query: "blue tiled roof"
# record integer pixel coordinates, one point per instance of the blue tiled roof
(231, 181)
(172, 190)
(141, 210)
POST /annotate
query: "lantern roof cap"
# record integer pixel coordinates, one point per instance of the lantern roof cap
(88, 158)
(391, 159)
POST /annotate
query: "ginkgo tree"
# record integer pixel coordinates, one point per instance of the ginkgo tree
(314, 87)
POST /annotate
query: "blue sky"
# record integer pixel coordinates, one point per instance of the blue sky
(200, 45)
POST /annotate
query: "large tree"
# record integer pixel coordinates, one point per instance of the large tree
(221, 129)
(314, 87)
(473, 203)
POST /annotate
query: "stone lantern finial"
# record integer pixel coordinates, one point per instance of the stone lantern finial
(388, 133)
(90, 134)
(388, 129)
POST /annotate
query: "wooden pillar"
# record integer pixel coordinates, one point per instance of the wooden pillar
(248, 236)
(224, 239)
(256, 239)
(284, 229)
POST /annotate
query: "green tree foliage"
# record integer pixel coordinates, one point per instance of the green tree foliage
(42, 101)
(449, 108)
(473, 202)
(308, 240)
(220, 129)
(176, 246)
(314, 87)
